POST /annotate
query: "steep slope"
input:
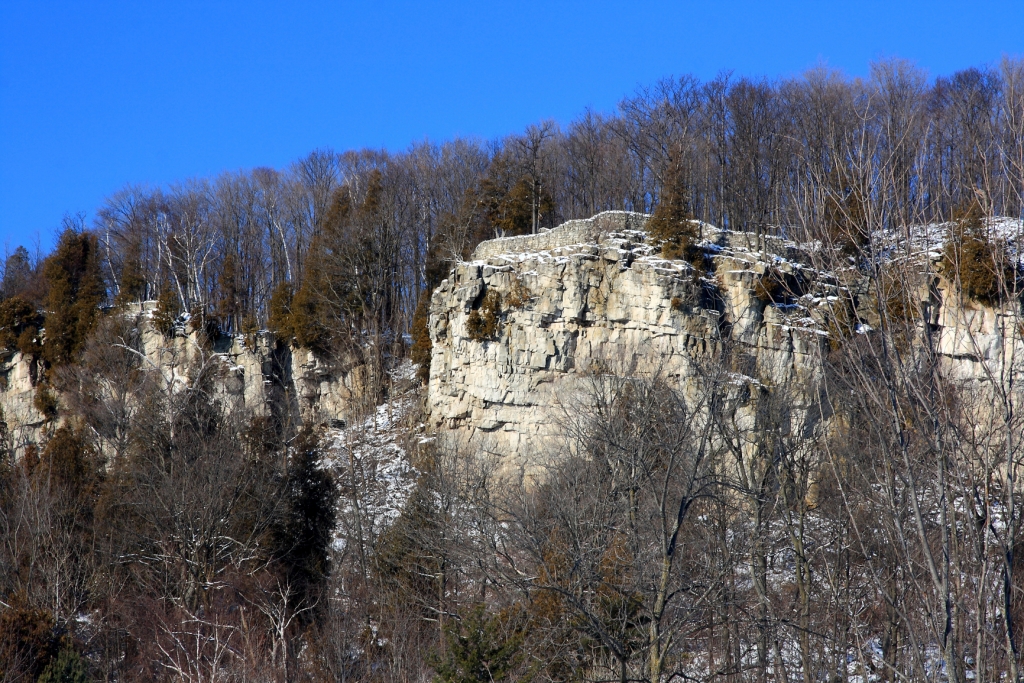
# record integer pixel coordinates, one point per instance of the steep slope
(593, 295)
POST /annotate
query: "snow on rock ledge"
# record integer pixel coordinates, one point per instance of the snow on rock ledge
(581, 305)
(593, 293)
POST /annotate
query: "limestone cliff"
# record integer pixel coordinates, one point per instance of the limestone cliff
(595, 292)
(258, 375)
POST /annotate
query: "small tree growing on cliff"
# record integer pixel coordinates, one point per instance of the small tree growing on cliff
(979, 265)
(482, 323)
(75, 291)
(672, 226)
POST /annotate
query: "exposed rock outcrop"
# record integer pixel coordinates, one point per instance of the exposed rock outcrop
(597, 293)
(258, 375)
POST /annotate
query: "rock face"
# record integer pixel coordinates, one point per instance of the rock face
(257, 375)
(595, 294)
(588, 295)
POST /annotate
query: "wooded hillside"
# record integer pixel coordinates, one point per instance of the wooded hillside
(666, 539)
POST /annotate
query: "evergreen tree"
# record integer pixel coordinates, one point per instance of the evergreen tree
(28, 640)
(132, 285)
(279, 318)
(508, 200)
(67, 667)
(167, 310)
(420, 331)
(19, 326)
(846, 219)
(979, 265)
(480, 649)
(303, 535)
(672, 226)
(74, 292)
(227, 309)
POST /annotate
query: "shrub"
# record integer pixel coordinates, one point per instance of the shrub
(27, 640)
(896, 299)
(482, 323)
(519, 295)
(45, 401)
(204, 326)
(19, 326)
(979, 266)
(421, 344)
(250, 330)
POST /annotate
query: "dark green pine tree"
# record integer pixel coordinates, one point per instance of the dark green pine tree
(66, 667)
(303, 534)
(480, 649)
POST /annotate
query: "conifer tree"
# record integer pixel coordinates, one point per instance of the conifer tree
(979, 265)
(74, 292)
(279, 317)
(420, 331)
(19, 326)
(66, 667)
(167, 310)
(846, 219)
(227, 310)
(672, 226)
(481, 649)
(303, 534)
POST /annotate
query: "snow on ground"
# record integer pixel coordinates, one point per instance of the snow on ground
(374, 474)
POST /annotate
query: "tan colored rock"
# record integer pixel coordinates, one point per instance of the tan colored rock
(613, 300)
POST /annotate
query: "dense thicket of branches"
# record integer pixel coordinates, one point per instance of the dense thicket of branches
(864, 523)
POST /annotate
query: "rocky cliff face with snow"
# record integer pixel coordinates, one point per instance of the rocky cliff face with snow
(256, 374)
(590, 295)
(598, 295)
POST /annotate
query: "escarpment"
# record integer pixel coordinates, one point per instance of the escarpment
(256, 374)
(514, 328)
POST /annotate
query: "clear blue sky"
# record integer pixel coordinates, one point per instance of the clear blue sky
(95, 95)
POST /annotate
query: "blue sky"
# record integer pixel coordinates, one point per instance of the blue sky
(95, 95)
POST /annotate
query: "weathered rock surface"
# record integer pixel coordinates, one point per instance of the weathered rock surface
(571, 305)
(260, 376)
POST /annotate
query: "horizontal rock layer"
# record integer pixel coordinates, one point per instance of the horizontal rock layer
(573, 307)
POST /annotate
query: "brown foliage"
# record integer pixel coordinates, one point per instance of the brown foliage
(771, 286)
(27, 640)
(978, 264)
(421, 344)
(19, 326)
(482, 323)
